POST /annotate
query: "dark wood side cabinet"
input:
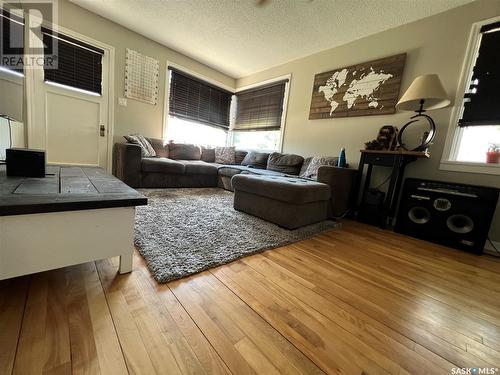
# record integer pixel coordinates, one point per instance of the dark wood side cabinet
(397, 161)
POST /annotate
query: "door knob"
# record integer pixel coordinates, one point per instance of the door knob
(102, 130)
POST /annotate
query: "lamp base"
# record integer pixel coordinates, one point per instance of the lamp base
(430, 134)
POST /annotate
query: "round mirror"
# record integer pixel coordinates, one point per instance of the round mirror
(417, 134)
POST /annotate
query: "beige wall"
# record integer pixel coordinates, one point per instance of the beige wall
(434, 45)
(11, 103)
(137, 116)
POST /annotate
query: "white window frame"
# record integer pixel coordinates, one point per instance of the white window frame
(284, 113)
(166, 107)
(454, 134)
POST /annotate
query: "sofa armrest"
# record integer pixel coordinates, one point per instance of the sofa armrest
(342, 184)
(127, 163)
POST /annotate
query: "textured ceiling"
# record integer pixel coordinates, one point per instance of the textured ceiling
(238, 38)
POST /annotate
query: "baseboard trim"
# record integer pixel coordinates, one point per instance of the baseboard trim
(488, 249)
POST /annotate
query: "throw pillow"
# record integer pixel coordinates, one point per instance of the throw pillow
(285, 163)
(160, 146)
(305, 164)
(225, 155)
(184, 151)
(147, 150)
(316, 162)
(208, 154)
(239, 156)
(256, 160)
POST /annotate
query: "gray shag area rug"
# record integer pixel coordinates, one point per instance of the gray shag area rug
(185, 231)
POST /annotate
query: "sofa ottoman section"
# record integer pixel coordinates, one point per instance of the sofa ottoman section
(226, 173)
(289, 202)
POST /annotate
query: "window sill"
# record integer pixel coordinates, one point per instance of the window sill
(469, 167)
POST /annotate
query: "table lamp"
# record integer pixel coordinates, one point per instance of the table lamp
(425, 93)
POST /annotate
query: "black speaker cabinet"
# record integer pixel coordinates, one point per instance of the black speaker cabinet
(453, 215)
(25, 162)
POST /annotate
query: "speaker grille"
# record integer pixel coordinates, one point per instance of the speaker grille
(419, 215)
(460, 224)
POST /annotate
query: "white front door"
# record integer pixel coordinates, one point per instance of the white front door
(71, 125)
(76, 127)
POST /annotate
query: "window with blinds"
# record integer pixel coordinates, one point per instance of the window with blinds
(79, 64)
(482, 97)
(198, 101)
(12, 41)
(260, 108)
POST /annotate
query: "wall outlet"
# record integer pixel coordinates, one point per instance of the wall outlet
(122, 102)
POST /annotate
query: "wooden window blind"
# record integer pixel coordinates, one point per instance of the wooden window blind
(195, 100)
(481, 100)
(260, 108)
(12, 42)
(79, 64)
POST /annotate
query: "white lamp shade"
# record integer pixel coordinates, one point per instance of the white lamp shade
(428, 88)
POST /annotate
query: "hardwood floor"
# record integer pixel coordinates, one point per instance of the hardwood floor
(356, 300)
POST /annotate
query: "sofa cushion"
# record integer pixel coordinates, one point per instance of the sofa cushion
(285, 189)
(225, 155)
(239, 156)
(184, 151)
(231, 170)
(198, 167)
(285, 163)
(160, 147)
(162, 165)
(256, 159)
(263, 172)
(318, 161)
(147, 150)
(208, 154)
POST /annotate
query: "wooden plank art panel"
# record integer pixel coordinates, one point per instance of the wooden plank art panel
(369, 88)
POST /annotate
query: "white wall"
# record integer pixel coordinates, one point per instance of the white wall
(11, 103)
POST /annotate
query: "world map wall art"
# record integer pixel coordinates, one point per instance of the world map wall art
(370, 88)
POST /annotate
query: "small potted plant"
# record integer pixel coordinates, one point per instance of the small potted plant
(493, 154)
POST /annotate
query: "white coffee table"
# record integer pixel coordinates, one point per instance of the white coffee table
(74, 215)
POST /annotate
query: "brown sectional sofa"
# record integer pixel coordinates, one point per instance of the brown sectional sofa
(265, 185)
